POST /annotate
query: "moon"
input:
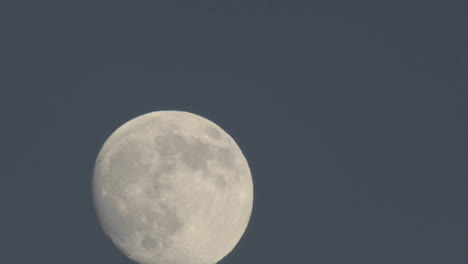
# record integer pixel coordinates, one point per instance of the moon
(172, 187)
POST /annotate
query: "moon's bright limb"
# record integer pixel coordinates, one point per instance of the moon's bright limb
(172, 187)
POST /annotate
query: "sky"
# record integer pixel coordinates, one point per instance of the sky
(353, 116)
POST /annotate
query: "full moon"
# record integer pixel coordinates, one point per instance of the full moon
(172, 187)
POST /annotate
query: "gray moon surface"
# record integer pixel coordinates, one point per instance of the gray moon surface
(172, 187)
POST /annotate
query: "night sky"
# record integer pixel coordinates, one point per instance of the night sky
(353, 116)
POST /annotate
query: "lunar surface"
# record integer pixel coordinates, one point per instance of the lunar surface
(172, 187)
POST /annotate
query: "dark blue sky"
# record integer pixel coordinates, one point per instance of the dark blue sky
(352, 114)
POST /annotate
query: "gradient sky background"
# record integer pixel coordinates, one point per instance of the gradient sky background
(352, 114)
